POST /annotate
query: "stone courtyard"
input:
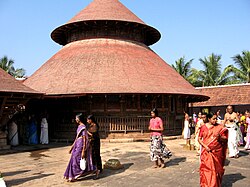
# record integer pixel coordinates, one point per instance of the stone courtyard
(45, 166)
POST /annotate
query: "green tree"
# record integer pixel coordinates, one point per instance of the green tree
(211, 75)
(196, 77)
(183, 67)
(243, 63)
(8, 66)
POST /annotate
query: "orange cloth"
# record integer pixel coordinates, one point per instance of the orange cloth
(212, 163)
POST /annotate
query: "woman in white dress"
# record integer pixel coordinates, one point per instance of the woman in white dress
(186, 131)
(13, 134)
(44, 138)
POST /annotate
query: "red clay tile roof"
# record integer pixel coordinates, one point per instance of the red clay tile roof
(225, 95)
(106, 10)
(107, 66)
(10, 84)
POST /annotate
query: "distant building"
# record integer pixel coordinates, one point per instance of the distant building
(13, 98)
(106, 68)
(237, 95)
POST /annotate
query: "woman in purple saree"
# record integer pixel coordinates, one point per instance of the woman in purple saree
(80, 149)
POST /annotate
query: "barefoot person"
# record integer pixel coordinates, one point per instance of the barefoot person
(213, 139)
(156, 147)
(93, 131)
(247, 146)
(186, 130)
(230, 120)
(80, 149)
(202, 120)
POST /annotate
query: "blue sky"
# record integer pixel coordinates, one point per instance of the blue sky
(190, 28)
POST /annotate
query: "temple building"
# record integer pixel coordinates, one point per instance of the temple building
(236, 95)
(107, 68)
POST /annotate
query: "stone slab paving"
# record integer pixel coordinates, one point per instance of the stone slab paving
(45, 167)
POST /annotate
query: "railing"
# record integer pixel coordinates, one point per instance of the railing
(109, 124)
(125, 124)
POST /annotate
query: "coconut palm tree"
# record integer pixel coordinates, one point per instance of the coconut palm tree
(196, 77)
(183, 67)
(19, 73)
(212, 75)
(243, 63)
(8, 66)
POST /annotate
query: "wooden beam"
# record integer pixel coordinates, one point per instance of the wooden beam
(2, 105)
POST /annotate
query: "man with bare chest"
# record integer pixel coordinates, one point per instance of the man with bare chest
(230, 121)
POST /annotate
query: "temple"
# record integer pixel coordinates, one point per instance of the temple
(107, 68)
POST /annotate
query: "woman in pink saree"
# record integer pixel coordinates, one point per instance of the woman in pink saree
(213, 139)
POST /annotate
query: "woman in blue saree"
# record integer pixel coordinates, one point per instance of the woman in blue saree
(33, 137)
(80, 149)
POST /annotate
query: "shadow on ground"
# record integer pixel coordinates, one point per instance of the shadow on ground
(243, 153)
(175, 161)
(28, 148)
(38, 154)
(230, 179)
(108, 172)
(227, 162)
(6, 174)
(23, 180)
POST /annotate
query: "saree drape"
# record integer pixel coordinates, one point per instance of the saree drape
(212, 162)
(73, 170)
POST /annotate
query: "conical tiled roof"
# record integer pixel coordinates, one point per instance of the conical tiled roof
(105, 15)
(90, 64)
(106, 10)
(10, 84)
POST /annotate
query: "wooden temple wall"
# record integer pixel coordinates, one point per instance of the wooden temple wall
(115, 113)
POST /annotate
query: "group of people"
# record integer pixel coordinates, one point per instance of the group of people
(213, 137)
(31, 135)
(86, 146)
(32, 131)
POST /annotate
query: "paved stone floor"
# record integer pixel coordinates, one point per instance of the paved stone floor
(45, 167)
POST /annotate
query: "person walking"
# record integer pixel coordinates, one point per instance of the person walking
(80, 149)
(202, 120)
(219, 118)
(230, 121)
(186, 130)
(247, 114)
(213, 139)
(156, 146)
(93, 132)
(243, 126)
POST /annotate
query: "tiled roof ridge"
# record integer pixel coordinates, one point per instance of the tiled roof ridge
(222, 86)
(11, 84)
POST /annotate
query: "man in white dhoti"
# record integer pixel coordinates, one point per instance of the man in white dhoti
(44, 138)
(201, 121)
(13, 134)
(230, 121)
